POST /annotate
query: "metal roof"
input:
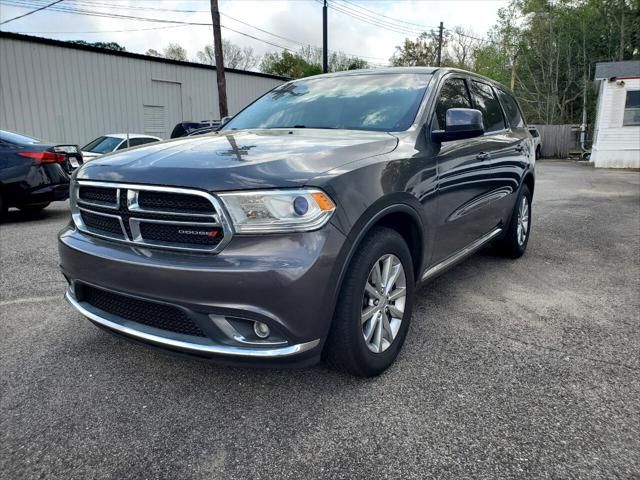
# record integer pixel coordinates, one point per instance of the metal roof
(629, 68)
(107, 51)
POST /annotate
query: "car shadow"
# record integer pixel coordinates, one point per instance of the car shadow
(18, 216)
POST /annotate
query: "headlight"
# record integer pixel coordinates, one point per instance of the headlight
(278, 211)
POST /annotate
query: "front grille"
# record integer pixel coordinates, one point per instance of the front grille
(152, 314)
(98, 194)
(142, 215)
(173, 202)
(102, 224)
(168, 233)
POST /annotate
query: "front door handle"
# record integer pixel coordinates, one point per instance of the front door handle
(482, 156)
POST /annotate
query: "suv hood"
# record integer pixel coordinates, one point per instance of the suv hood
(235, 160)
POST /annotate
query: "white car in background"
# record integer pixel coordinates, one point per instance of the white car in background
(537, 142)
(114, 141)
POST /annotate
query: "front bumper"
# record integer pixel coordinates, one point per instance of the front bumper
(285, 281)
(115, 324)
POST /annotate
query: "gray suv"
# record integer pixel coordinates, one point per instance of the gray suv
(301, 229)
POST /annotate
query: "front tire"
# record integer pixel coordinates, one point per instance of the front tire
(515, 240)
(374, 307)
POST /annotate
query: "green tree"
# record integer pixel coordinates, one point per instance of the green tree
(288, 64)
(106, 45)
(423, 51)
(308, 61)
(234, 56)
(173, 51)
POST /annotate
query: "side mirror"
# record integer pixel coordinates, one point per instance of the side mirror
(460, 123)
(225, 120)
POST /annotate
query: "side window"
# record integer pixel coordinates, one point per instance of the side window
(134, 142)
(454, 94)
(123, 145)
(511, 109)
(487, 103)
(632, 108)
(144, 141)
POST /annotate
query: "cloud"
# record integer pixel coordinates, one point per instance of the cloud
(299, 21)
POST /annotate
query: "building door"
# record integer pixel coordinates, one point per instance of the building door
(164, 110)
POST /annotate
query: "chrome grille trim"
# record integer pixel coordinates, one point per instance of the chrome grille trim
(108, 215)
(88, 203)
(134, 206)
(218, 219)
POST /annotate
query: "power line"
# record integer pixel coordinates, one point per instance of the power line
(104, 31)
(371, 20)
(31, 13)
(174, 23)
(396, 20)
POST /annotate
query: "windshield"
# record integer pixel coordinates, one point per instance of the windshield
(15, 138)
(102, 145)
(382, 102)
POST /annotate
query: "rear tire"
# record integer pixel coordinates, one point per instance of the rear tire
(382, 254)
(538, 153)
(29, 209)
(514, 242)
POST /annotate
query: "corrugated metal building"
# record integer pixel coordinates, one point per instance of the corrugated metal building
(63, 92)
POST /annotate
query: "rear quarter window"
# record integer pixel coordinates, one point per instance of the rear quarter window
(511, 109)
(488, 104)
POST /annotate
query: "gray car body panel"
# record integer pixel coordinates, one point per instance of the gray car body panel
(450, 195)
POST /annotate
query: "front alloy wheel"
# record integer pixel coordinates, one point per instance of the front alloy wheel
(374, 306)
(383, 303)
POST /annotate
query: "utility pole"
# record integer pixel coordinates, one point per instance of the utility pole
(440, 44)
(513, 72)
(325, 53)
(217, 47)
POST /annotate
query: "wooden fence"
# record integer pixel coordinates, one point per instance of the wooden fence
(558, 140)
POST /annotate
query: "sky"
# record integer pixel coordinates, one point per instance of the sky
(293, 22)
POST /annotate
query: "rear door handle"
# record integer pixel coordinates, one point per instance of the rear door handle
(482, 156)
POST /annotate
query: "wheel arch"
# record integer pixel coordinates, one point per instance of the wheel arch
(530, 181)
(396, 214)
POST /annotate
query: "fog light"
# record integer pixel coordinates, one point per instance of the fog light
(261, 330)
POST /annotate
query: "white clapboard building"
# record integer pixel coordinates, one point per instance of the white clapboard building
(616, 138)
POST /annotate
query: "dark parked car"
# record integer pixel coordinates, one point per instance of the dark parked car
(184, 129)
(301, 229)
(34, 173)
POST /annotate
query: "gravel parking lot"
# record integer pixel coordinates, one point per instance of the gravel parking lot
(511, 369)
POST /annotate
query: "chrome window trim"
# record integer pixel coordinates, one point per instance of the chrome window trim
(220, 218)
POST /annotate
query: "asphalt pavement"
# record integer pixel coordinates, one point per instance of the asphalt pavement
(511, 369)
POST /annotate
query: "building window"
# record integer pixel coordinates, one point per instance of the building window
(632, 108)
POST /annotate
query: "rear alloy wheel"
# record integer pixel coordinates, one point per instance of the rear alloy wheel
(516, 237)
(374, 306)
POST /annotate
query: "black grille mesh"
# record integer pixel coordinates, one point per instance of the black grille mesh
(174, 202)
(180, 234)
(101, 224)
(145, 312)
(98, 194)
